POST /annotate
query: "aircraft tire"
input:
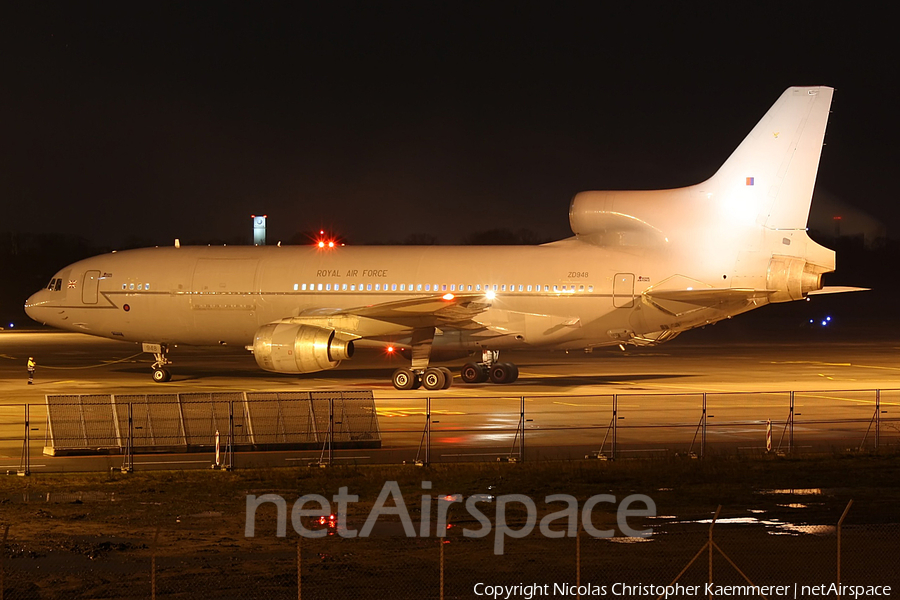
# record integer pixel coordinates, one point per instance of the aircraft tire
(448, 376)
(501, 373)
(433, 379)
(161, 375)
(514, 370)
(404, 379)
(473, 373)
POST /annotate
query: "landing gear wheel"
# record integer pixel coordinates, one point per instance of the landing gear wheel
(503, 373)
(161, 375)
(515, 372)
(404, 379)
(474, 373)
(433, 379)
(448, 375)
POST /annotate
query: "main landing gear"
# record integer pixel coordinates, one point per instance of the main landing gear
(489, 369)
(160, 373)
(432, 378)
(440, 378)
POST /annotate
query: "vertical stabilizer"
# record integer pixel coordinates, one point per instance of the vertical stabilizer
(772, 173)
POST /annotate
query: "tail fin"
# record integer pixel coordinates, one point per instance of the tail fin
(775, 166)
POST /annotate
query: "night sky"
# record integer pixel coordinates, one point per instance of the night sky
(377, 120)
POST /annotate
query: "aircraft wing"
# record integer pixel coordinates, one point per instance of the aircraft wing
(385, 318)
(429, 310)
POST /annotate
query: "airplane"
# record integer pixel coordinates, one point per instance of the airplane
(641, 268)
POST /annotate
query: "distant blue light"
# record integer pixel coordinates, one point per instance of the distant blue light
(824, 323)
(810, 320)
(11, 325)
(827, 318)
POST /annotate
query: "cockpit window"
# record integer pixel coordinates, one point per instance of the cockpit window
(58, 284)
(51, 284)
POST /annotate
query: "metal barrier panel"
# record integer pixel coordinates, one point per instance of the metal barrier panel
(320, 403)
(156, 419)
(281, 418)
(205, 414)
(81, 421)
(358, 420)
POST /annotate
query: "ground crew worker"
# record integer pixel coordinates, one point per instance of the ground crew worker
(31, 366)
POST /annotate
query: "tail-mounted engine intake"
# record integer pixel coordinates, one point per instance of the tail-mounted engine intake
(792, 278)
(291, 348)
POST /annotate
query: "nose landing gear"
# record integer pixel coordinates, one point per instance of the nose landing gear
(160, 373)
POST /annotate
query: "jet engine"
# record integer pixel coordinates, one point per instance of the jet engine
(793, 278)
(292, 348)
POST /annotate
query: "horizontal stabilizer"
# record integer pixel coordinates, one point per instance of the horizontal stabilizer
(837, 289)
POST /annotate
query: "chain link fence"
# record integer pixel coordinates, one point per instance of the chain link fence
(328, 427)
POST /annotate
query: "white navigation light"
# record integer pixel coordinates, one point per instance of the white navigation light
(490, 294)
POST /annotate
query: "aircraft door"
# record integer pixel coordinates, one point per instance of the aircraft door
(90, 285)
(623, 290)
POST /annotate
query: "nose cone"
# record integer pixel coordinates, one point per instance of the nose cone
(34, 306)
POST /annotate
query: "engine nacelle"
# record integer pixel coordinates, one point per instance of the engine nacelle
(793, 278)
(291, 348)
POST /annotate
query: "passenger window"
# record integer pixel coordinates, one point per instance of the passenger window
(502, 287)
(377, 287)
(319, 287)
(427, 287)
(402, 287)
(590, 288)
(393, 287)
(469, 288)
(130, 286)
(352, 287)
(124, 286)
(419, 287)
(140, 286)
(580, 288)
(529, 289)
(368, 287)
(327, 287)
(478, 287)
(546, 288)
(344, 287)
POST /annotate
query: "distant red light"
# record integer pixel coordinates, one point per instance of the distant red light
(390, 349)
(321, 244)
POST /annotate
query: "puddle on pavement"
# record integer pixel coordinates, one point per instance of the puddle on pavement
(795, 491)
(773, 526)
